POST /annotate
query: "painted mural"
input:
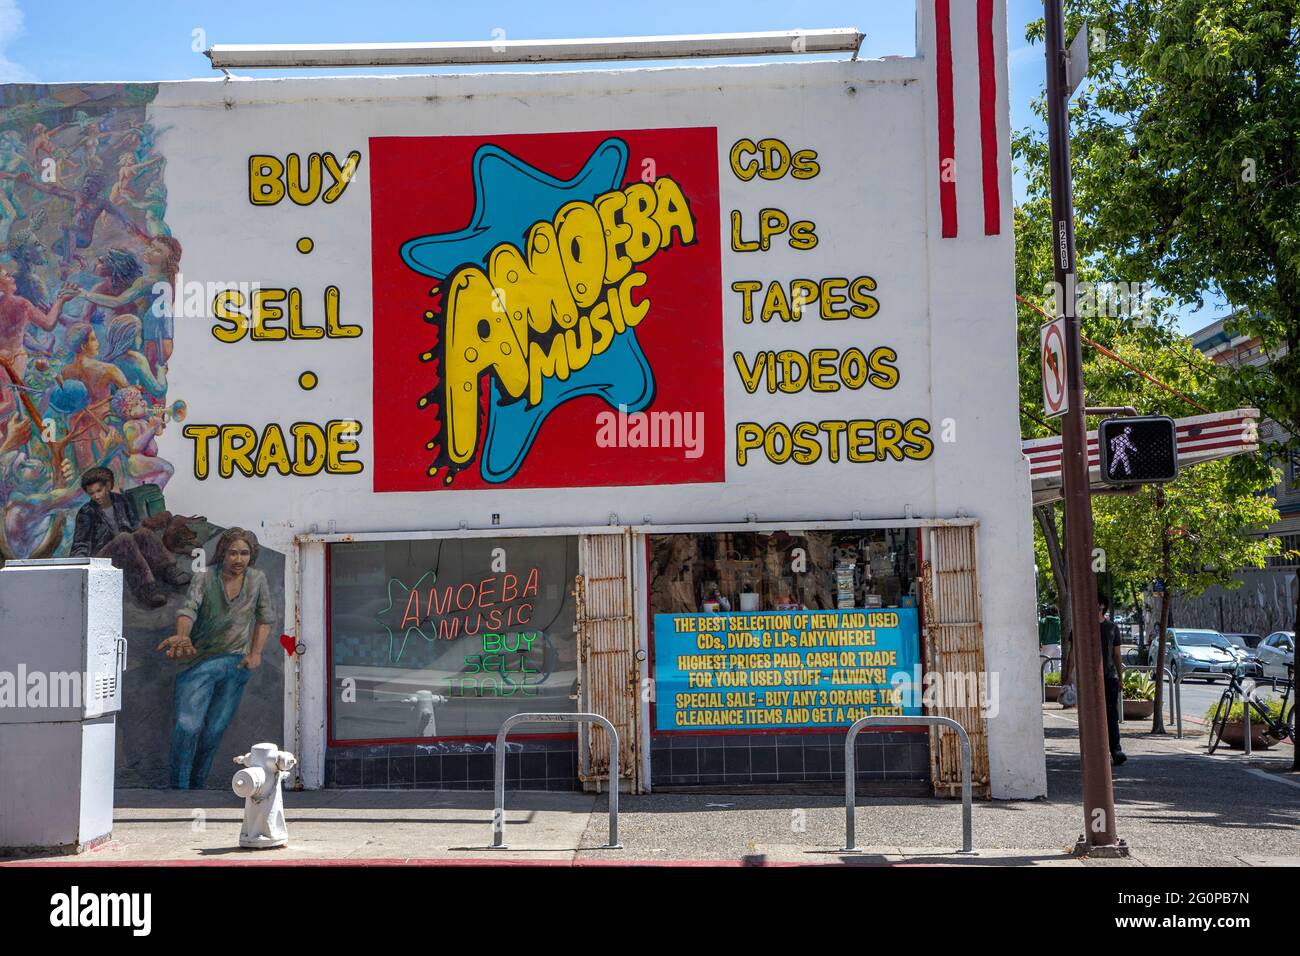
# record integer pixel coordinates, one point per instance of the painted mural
(88, 268)
(536, 299)
(83, 350)
(1264, 603)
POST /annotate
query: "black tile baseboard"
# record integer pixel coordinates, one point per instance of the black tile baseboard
(530, 765)
(738, 759)
(675, 761)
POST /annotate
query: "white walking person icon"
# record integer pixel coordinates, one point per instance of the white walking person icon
(1120, 446)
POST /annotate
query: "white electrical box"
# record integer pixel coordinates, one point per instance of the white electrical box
(62, 655)
(61, 639)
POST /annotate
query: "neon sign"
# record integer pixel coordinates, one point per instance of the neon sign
(488, 606)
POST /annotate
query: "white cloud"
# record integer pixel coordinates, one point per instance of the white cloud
(1015, 56)
(11, 28)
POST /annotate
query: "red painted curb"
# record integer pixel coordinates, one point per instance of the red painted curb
(414, 861)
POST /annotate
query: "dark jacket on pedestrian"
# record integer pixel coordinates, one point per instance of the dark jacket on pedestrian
(1110, 639)
(92, 532)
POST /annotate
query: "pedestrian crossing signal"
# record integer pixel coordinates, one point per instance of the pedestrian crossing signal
(1137, 451)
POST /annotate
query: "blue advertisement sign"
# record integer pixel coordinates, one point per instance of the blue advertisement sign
(780, 670)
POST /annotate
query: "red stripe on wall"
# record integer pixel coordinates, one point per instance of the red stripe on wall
(989, 119)
(947, 133)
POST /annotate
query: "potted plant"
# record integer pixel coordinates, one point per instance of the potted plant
(1234, 732)
(1139, 695)
(1052, 680)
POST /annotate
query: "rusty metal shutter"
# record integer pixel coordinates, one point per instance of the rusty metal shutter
(954, 652)
(608, 671)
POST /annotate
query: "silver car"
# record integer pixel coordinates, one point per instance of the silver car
(1200, 653)
(1275, 652)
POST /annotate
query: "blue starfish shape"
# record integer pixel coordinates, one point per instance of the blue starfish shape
(511, 195)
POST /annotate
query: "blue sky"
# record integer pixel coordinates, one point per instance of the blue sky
(74, 40)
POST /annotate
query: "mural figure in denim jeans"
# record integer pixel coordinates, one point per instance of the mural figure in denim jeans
(221, 629)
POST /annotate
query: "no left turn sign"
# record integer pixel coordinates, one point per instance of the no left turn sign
(1055, 400)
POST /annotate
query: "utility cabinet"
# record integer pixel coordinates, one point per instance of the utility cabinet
(62, 655)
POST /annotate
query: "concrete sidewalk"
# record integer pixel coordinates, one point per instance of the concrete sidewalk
(1177, 806)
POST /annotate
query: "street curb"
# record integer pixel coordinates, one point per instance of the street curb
(429, 862)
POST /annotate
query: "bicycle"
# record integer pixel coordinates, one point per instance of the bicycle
(1281, 727)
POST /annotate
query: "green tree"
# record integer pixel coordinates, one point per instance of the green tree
(1186, 149)
(1186, 162)
(1213, 515)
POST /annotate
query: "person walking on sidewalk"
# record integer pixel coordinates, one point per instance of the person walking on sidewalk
(1111, 667)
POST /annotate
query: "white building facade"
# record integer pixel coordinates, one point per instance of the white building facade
(686, 396)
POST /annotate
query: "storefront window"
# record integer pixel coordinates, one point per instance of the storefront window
(782, 630)
(449, 637)
(782, 570)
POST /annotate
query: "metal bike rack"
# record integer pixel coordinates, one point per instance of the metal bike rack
(499, 782)
(1245, 707)
(1245, 712)
(1246, 696)
(850, 786)
(1175, 694)
(1245, 699)
(1176, 680)
(1042, 671)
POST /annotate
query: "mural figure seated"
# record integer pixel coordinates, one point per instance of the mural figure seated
(108, 526)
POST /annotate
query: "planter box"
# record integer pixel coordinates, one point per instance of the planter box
(1234, 736)
(1139, 709)
(1053, 692)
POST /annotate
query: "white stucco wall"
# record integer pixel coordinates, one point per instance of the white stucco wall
(946, 308)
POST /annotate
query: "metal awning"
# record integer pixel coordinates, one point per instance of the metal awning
(1201, 438)
(499, 51)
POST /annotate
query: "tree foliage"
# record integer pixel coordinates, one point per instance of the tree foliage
(1156, 211)
(1186, 155)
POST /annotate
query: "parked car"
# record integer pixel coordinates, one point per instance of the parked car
(1246, 641)
(1245, 656)
(1201, 653)
(1275, 652)
(1244, 647)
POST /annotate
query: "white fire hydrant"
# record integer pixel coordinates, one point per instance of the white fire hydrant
(423, 701)
(265, 768)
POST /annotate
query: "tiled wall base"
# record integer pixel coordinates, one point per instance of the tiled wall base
(677, 761)
(530, 765)
(674, 762)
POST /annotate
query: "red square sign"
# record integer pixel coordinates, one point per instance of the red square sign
(547, 310)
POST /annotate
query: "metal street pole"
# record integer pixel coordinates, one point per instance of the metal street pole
(1099, 837)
